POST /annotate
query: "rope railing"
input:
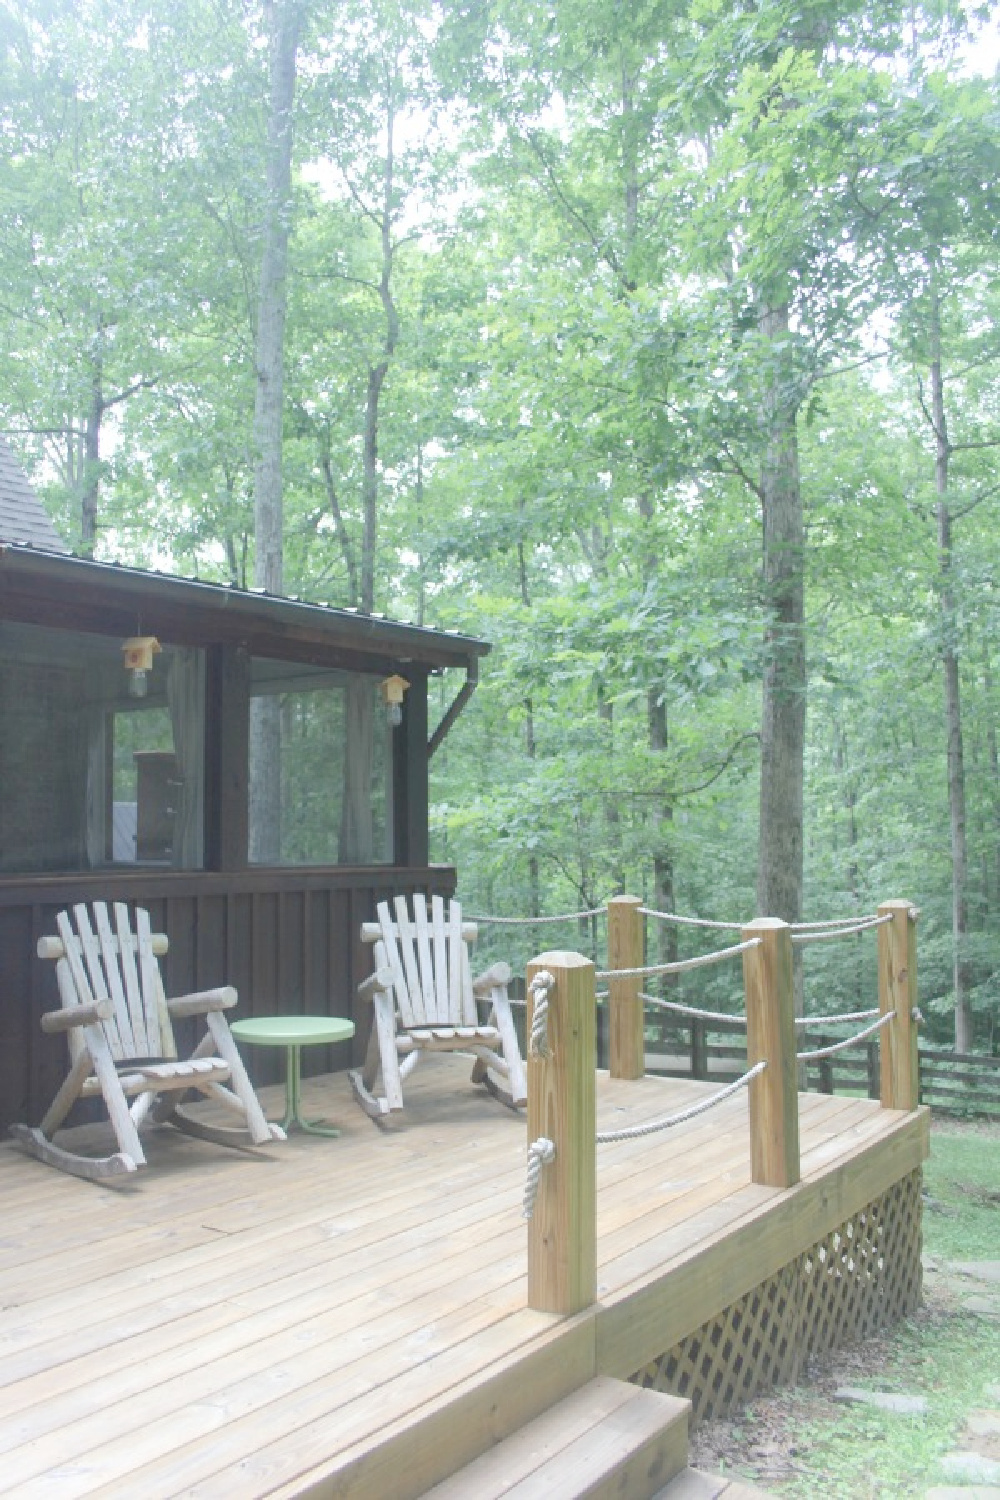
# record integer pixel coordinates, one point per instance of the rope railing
(804, 1022)
(694, 1011)
(681, 966)
(540, 1154)
(538, 1043)
(567, 916)
(562, 1261)
(650, 1127)
(848, 1041)
(679, 921)
(822, 934)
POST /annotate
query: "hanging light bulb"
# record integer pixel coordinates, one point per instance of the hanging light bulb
(392, 690)
(138, 653)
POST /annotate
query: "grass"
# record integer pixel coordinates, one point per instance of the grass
(802, 1443)
(943, 1353)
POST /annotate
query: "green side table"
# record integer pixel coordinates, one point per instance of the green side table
(294, 1033)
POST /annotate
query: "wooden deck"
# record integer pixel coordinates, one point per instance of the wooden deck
(348, 1317)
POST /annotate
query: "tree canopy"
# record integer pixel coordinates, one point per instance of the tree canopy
(655, 342)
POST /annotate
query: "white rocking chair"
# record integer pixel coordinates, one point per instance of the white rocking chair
(118, 1025)
(424, 999)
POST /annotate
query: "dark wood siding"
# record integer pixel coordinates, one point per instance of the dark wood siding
(289, 940)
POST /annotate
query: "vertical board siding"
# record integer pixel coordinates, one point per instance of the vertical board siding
(288, 940)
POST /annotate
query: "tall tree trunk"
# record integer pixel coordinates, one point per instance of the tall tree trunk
(994, 759)
(783, 713)
(265, 722)
(663, 859)
(952, 689)
(658, 739)
(91, 476)
(356, 829)
(534, 883)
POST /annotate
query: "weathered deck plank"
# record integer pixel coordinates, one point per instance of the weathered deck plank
(308, 1319)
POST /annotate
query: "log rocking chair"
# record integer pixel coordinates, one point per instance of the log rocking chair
(424, 999)
(117, 1021)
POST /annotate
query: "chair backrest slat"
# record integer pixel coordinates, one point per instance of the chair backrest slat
(72, 953)
(440, 959)
(94, 985)
(145, 1046)
(470, 1016)
(154, 1005)
(406, 935)
(392, 959)
(455, 947)
(427, 987)
(112, 973)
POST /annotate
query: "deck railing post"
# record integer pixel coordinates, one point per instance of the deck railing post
(562, 1258)
(628, 1053)
(899, 1073)
(774, 1100)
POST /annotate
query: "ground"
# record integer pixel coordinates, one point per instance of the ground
(948, 1351)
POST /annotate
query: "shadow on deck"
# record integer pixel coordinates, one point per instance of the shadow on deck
(348, 1317)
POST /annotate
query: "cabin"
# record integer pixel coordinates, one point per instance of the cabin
(252, 769)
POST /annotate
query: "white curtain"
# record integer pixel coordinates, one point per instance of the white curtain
(186, 697)
(356, 830)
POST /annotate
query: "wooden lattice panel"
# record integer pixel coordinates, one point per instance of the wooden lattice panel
(861, 1276)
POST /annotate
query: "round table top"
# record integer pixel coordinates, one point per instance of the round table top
(292, 1031)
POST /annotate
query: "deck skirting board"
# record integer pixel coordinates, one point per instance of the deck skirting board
(861, 1276)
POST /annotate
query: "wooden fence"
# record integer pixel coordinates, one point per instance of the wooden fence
(952, 1083)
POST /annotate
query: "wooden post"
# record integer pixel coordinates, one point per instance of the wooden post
(899, 1075)
(562, 1259)
(628, 1052)
(699, 1049)
(774, 1101)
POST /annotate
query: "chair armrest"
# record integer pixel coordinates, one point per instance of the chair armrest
(202, 1001)
(496, 974)
(379, 981)
(77, 1015)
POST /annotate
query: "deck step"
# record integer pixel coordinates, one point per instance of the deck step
(607, 1439)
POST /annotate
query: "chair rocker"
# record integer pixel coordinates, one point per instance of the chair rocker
(424, 999)
(118, 1025)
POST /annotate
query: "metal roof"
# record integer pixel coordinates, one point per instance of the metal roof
(76, 593)
(23, 517)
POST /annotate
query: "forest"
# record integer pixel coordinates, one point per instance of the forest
(653, 341)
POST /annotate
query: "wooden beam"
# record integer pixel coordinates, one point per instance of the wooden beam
(227, 757)
(562, 1264)
(774, 1106)
(899, 1070)
(628, 1054)
(409, 774)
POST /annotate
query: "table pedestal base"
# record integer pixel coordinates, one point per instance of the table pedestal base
(294, 1119)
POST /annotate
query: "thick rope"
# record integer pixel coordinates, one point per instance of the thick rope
(538, 1044)
(683, 965)
(840, 922)
(848, 1015)
(569, 916)
(802, 935)
(850, 1041)
(632, 1132)
(540, 1153)
(671, 916)
(690, 1010)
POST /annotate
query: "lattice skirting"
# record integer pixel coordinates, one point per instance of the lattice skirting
(862, 1276)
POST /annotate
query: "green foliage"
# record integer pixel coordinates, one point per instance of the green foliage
(589, 208)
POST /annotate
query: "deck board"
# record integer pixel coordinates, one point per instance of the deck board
(251, 1322)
